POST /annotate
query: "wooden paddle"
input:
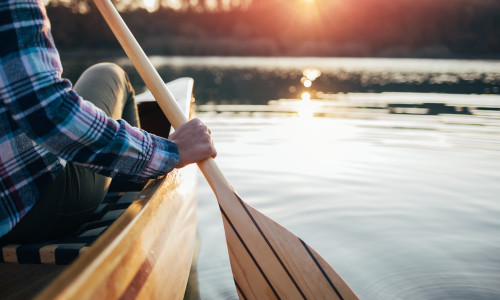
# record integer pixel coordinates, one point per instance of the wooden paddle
(267, 260)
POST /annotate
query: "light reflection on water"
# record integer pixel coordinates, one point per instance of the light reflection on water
(401, 206)
(255, 80)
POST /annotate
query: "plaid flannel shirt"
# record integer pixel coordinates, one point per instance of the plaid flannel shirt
(44, 123)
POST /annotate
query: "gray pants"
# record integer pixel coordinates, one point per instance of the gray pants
(74, 195)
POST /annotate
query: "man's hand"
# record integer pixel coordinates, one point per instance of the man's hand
(194, 142)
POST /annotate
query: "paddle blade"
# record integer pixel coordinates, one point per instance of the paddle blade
(270, 262)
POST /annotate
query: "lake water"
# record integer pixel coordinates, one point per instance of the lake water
(399, 191)
(401, 206)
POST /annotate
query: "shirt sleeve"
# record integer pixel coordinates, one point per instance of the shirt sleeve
(43, 105)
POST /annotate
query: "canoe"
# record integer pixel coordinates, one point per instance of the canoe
(146, 252)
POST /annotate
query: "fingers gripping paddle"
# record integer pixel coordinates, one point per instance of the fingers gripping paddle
(268, 261)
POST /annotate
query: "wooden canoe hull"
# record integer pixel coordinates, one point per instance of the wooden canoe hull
(146, 253)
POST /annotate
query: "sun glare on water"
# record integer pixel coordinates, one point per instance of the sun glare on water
(305, 109)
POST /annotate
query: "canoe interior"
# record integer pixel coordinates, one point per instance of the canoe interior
(146, 253)
(153, 120)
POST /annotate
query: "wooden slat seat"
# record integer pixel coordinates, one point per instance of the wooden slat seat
(65, 251)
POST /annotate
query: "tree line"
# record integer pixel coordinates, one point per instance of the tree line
(84, 6)
(396, 28)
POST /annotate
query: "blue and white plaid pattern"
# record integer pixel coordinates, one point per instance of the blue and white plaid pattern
(44, 123)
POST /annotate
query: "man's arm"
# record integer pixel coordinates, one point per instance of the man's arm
(46, 109)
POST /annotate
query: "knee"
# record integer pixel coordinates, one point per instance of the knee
(108, 74)
(107, 70)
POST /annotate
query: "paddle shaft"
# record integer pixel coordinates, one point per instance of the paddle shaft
(268, 261)
(156, 85)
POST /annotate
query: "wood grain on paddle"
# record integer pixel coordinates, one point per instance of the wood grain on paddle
(267, 260)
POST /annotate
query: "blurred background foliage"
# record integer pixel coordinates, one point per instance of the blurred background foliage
(329, 28)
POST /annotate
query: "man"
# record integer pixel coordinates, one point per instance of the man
(57, 150)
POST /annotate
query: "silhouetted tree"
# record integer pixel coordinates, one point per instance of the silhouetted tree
(220, 5)
(202, 5)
